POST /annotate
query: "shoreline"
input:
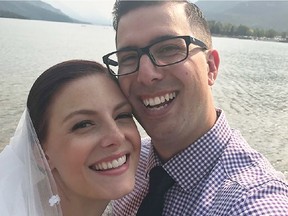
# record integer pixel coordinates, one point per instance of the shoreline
(277, 39)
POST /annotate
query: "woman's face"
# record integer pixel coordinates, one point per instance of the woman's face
(93, 144)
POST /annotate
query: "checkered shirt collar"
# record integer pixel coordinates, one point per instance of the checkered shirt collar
(195, 162)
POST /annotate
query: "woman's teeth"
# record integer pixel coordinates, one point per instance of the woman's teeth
(111, 164)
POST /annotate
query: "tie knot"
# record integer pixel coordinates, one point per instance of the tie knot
(160, 181)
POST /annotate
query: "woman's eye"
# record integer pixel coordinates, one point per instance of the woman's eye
(124, 115)
(82, 124)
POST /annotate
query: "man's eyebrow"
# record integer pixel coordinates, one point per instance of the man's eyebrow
(154, 40)
(162, 37)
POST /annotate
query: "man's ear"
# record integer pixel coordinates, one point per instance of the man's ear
(213, 62)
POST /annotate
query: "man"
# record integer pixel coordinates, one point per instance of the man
(166, 66)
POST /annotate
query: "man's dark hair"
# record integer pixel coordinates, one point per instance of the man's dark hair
(198, 23)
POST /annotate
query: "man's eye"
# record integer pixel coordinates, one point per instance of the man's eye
(128, 59)
(82, 124)
(124, 115)
(168, 50)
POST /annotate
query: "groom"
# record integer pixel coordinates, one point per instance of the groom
(166, 66)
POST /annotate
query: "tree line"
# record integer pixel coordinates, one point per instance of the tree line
(227, 29)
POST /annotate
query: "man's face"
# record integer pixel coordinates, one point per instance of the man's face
(178, 96)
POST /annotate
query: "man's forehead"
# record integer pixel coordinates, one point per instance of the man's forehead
(147, 25)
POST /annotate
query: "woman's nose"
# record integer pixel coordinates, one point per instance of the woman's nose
(113, 135)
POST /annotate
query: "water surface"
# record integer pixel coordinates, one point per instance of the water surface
(251, 86)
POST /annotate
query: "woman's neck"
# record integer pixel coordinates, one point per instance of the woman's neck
(73, 204)
(77, 207)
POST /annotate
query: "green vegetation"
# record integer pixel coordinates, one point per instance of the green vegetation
(242, 31)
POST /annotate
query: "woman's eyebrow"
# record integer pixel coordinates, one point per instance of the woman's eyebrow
(79, 112)
(93, 112)
(122, 104)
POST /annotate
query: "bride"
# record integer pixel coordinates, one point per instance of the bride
(76, 146)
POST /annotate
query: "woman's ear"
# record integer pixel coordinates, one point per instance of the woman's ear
(50, 163)
(213, 62)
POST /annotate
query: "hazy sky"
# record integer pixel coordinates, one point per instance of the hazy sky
(87, 9)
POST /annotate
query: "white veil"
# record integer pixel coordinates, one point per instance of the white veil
(27, 187)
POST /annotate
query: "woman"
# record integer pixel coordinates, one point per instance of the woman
(84, 150)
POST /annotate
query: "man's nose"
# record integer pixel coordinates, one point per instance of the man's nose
(148, 72)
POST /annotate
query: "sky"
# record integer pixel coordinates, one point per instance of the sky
(86, 10)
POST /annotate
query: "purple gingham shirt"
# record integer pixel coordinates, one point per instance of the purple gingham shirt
(219, 174)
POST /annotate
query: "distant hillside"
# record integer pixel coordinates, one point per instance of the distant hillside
(255, 14)
(36, 10)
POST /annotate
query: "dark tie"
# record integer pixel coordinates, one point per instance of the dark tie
(159, 183)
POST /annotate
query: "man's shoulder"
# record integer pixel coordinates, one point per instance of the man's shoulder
(249, 180)
(146, 141)
(144, 154)
(145, 145)
(246, 166)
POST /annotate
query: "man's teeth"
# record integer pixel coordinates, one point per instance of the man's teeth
(159, 99)
(111, 164)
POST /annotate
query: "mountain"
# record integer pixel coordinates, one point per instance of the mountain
(93, 12)
(254, 14)
(36, 10)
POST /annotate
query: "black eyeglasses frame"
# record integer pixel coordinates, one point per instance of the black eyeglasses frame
(145, 50)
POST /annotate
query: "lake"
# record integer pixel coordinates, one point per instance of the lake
(251, 86)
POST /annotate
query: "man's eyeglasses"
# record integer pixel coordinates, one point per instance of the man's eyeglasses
(162, 53)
